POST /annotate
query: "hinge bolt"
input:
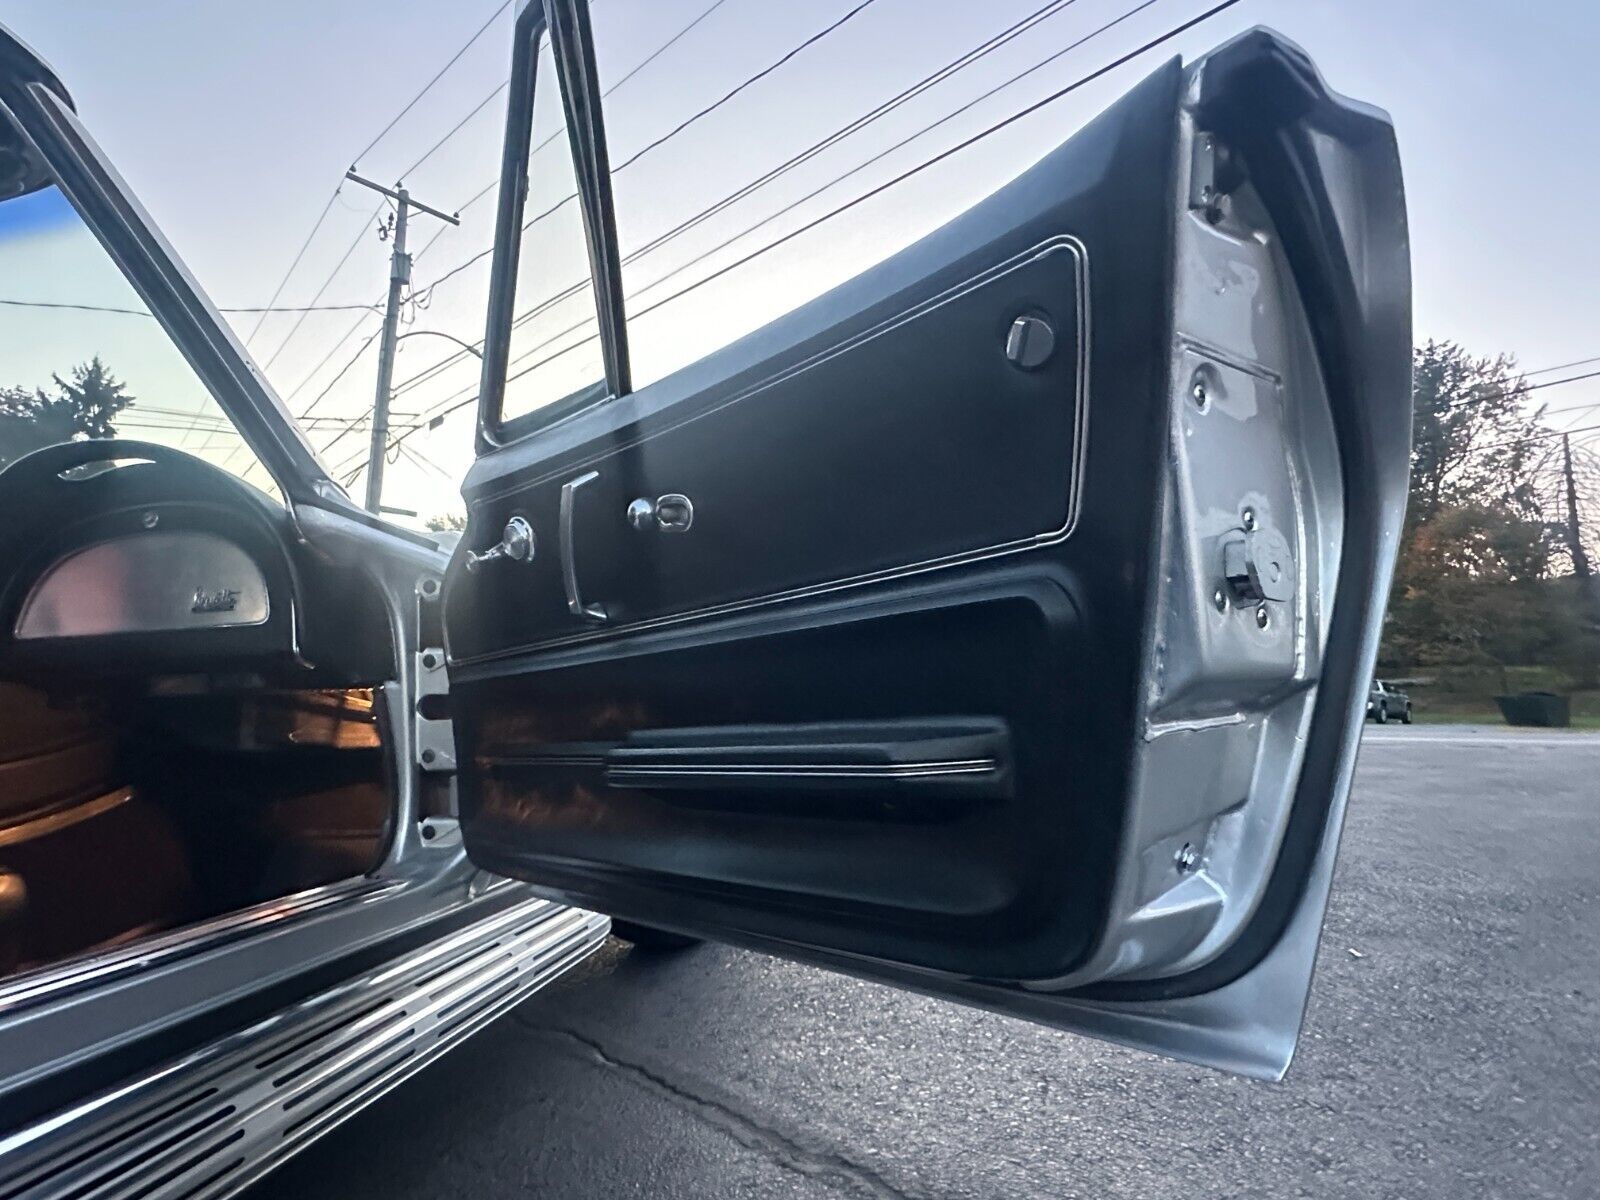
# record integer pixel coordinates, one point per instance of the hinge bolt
(1263, 617)
(1186, 858)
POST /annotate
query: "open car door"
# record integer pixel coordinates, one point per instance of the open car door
(997, 625)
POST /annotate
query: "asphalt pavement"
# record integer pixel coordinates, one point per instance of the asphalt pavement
(1452, 1047)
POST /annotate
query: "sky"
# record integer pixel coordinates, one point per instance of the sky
(234, 123)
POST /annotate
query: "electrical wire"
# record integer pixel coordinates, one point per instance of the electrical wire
(1582, 362)
(427, 87)
(382, 133)
(454, 129)
(326, 283)
(788, 56)
(295, 262)
(494, 183)
(139, 312)
(879, 189)
(1523, 439)
(959, 63)
(1515, 392)
(354, 358)
(683, 125)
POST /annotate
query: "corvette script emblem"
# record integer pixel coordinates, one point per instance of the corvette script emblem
(220, 601)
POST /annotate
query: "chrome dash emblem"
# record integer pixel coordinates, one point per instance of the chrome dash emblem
(223, 600)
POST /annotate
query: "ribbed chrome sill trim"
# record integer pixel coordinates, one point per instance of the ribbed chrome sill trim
(211, 1123)
(95, 968)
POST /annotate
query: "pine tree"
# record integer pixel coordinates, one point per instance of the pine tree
(86, 406)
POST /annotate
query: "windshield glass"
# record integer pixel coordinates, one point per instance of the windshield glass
(81, 356)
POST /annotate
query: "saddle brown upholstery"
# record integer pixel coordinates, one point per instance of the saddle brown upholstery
(88, 861)
(176, 810)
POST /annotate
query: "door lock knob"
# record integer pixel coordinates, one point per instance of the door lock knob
(516, 543)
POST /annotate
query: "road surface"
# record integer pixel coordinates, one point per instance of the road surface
(1452, 1048)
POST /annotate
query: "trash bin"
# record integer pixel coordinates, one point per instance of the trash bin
(1544, 709)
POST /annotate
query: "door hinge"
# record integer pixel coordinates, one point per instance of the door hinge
(435, 732)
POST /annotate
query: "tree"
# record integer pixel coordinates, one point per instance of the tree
(446, 521)
(1471, 436)
(86, 406)
(1485, 548)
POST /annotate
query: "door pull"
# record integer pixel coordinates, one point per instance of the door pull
(569, 564)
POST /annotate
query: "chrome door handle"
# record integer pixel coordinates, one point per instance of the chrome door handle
(516, 543)
(672, 513)
(569, 564)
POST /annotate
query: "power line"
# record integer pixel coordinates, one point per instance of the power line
(674, 132)
(324, 360)
(139, 312)
(867, 195)
(1513, 393)
(756, 78)
(354, 358)
(965, 143)
(665, 46)
(1582, 362)
(1037, 17)
(494, 182)
(295, 262)
(326, 283)
(427, 87)
(634, 70)
(382, 133)
(955, 65)
(903, 142)
(455, 129)
(1523, 439)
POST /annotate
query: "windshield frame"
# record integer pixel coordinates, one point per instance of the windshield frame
(31, 100)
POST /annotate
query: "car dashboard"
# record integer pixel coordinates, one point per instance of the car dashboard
(123, 559)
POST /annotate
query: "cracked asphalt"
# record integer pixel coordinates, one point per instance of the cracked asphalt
(1452, 1047)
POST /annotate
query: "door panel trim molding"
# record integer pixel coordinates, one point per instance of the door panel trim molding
(1080, 427)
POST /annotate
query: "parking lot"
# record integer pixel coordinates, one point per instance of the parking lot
(1452, 1047)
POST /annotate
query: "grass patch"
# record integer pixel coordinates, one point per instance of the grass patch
(1491, 716)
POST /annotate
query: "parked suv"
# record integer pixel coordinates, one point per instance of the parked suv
(1385, 701)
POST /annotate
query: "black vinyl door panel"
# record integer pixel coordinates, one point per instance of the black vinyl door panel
(876, 571)
(980, 625)
(898, 446)
(849, 774)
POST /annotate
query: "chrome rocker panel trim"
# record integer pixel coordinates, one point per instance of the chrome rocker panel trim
(99, 967)
(212, 1123)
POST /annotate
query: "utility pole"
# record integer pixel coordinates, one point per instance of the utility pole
(399, 278)
(1588, 597)
(1580, 557)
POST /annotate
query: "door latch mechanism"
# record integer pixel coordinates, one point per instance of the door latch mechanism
(1258, 565)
